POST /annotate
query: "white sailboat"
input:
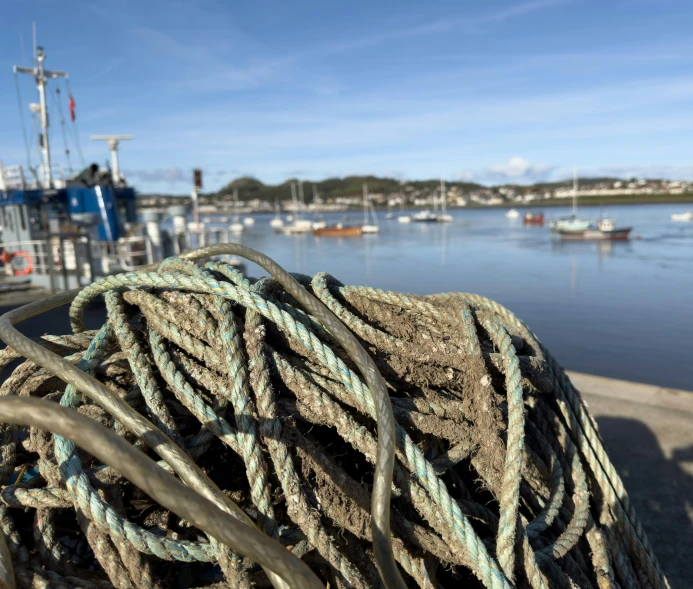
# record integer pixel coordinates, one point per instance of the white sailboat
(276, 222)
(319, 222)
(443, 217)
(298, 225)
(236, 225)
(368, 208)
(571, 222)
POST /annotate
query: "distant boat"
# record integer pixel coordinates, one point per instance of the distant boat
(276, 222)
(571, 222)
(512, 214)
(443, 217)
(404, 219)
(428, 216)
(368, 208)
(338, 230)
(605, 230)
(319, 222)
(425, 216)
(249, 221)
(533, 218)
(687, 216)
(298, 225)
(236, 225)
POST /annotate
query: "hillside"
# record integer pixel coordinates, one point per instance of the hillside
(250, 188)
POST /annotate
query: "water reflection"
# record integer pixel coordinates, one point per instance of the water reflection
(628, 300)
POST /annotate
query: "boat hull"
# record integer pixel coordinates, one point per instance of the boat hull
(337, 232)
(621, 234)
(533, 219)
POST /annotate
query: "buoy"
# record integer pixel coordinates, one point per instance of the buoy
(28, 263)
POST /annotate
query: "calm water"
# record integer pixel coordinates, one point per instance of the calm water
(623, 310)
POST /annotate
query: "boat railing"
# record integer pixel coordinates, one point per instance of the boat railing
(15, 178)
(12, 178)
(128, 253)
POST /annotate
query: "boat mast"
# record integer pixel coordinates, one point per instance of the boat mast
(300, 194)
(442, 195)
(293, 200)
(41, 76)
(365, 204)
(316, 200)
(575, 190)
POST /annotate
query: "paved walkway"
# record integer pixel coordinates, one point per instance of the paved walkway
(648, 432)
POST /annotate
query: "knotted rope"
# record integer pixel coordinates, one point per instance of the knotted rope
(500, 480)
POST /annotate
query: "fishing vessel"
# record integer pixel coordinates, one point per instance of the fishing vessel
(533, 218)
(604, 230)
(63, 229)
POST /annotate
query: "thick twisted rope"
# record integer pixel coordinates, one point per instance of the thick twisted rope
(495, 455)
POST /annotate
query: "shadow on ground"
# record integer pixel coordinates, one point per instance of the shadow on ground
(661, 491)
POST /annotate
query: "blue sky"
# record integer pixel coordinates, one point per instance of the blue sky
(489, 91)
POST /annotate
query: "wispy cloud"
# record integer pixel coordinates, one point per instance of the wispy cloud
(111, 66)
(467, 24)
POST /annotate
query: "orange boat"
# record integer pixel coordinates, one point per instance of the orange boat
(534, 218)
(338, 231)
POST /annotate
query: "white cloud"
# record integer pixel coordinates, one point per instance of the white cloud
(516, 169)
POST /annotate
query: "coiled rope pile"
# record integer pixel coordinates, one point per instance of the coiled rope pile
(249, 393)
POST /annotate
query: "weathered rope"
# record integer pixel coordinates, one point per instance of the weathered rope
(500, 480)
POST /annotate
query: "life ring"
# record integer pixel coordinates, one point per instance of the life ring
(28, 263)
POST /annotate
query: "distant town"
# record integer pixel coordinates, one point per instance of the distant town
(339, 194)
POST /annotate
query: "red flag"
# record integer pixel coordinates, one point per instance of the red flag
(72, 108)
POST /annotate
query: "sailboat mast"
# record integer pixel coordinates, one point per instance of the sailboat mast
(365, 204)
(442, 195)
(575, 190)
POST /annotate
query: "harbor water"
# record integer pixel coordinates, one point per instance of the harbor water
(616, 309)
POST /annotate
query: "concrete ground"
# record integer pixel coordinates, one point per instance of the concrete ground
(648, 432)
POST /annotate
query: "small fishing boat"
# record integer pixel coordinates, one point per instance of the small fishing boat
(531, 218)
(685, 217)
(512, 214)
(605, 230)
(338, 230)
